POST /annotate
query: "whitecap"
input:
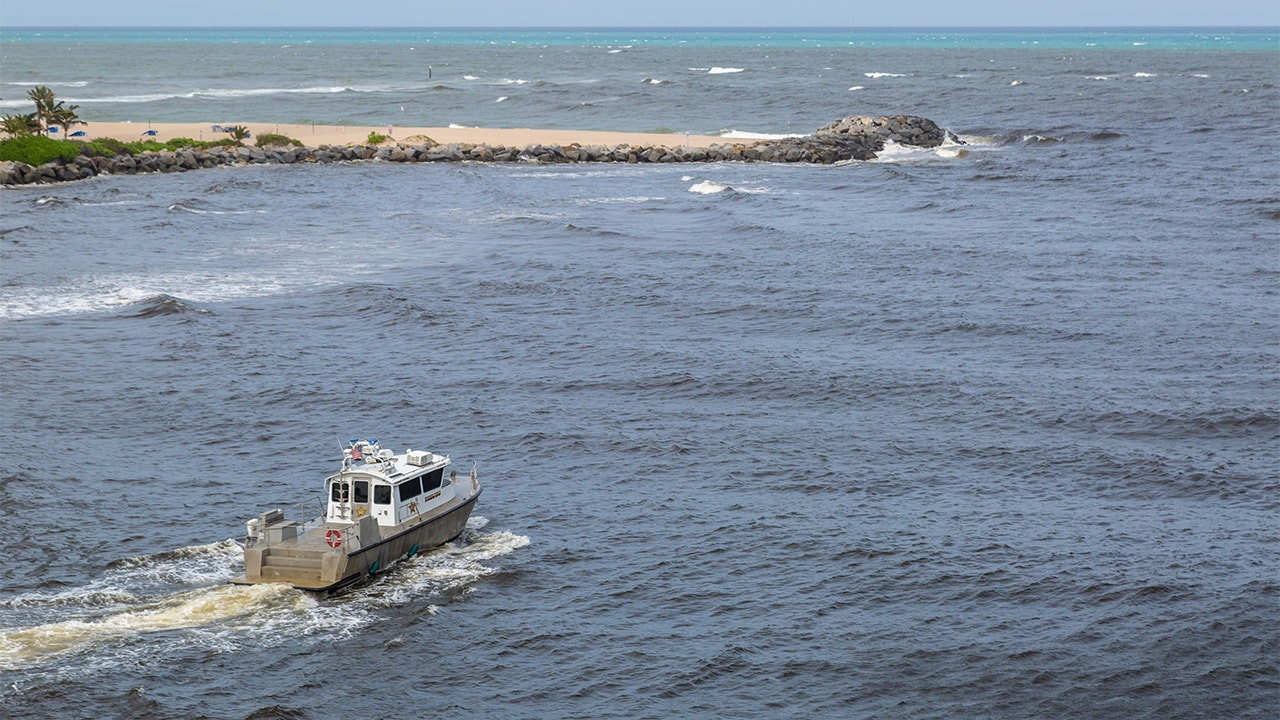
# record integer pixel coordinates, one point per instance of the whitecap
(470, 77)
(500, 99)
(857, 87)
(95, 294)
(1144, 74)
(875, 75)
(897, 153)
(724, 70)
(707, 187)
(745, 135)
(179, 207)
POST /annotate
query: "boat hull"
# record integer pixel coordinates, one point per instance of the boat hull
(307, 563)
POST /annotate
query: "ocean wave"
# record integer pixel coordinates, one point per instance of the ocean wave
(159, 306)
(1213, 424)
(745, 135)
(212, 93)
(898, 153)
(190, 208)
(708, 187)
(142, 296)
(724, 70)
(878, 75)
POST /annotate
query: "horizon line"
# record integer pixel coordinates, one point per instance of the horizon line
(816, 28)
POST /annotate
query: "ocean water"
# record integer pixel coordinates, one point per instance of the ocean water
(982, 431)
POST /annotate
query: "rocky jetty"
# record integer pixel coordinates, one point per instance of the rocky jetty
(851, 138)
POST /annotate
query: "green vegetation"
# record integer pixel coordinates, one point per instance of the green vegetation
(375, 138)
(37, 149)
(276, 139)
(110, 147)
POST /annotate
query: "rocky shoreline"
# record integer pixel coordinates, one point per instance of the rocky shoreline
(850, 138)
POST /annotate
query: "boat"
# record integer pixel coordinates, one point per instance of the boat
(378, 508)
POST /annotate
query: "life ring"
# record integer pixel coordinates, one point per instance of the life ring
(333, 537)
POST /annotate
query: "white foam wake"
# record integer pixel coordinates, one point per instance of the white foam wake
(117, 612)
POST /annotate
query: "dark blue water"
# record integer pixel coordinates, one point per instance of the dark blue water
(951, 434)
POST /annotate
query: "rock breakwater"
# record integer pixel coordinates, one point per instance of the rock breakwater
(850, 138)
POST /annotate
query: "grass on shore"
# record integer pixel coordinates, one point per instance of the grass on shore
(39, 149)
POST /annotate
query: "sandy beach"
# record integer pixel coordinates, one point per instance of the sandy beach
(316, 135)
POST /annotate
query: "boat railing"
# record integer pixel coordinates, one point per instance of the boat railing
(301, 516)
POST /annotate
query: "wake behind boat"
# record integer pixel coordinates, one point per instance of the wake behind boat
(378, 508)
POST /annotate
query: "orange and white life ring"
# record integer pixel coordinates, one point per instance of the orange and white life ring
(333, 537)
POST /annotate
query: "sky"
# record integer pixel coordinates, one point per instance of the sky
(637, 13)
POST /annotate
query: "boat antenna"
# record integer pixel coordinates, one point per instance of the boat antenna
(342, 449)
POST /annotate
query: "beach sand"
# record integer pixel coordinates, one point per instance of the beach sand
(316, 135)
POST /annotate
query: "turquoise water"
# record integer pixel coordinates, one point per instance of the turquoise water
(1152, 38)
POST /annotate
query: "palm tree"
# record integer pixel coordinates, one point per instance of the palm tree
(45, 104)
(14, 125)
(65, 117)
(238, 133)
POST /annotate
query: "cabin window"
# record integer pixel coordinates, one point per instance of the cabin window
(382, 494)
(361, 491)
(409, 489)
(339, 491)
(431, 480)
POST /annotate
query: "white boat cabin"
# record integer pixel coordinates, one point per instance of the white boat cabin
(394, 489)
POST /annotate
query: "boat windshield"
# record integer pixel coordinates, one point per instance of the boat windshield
(344, 490)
